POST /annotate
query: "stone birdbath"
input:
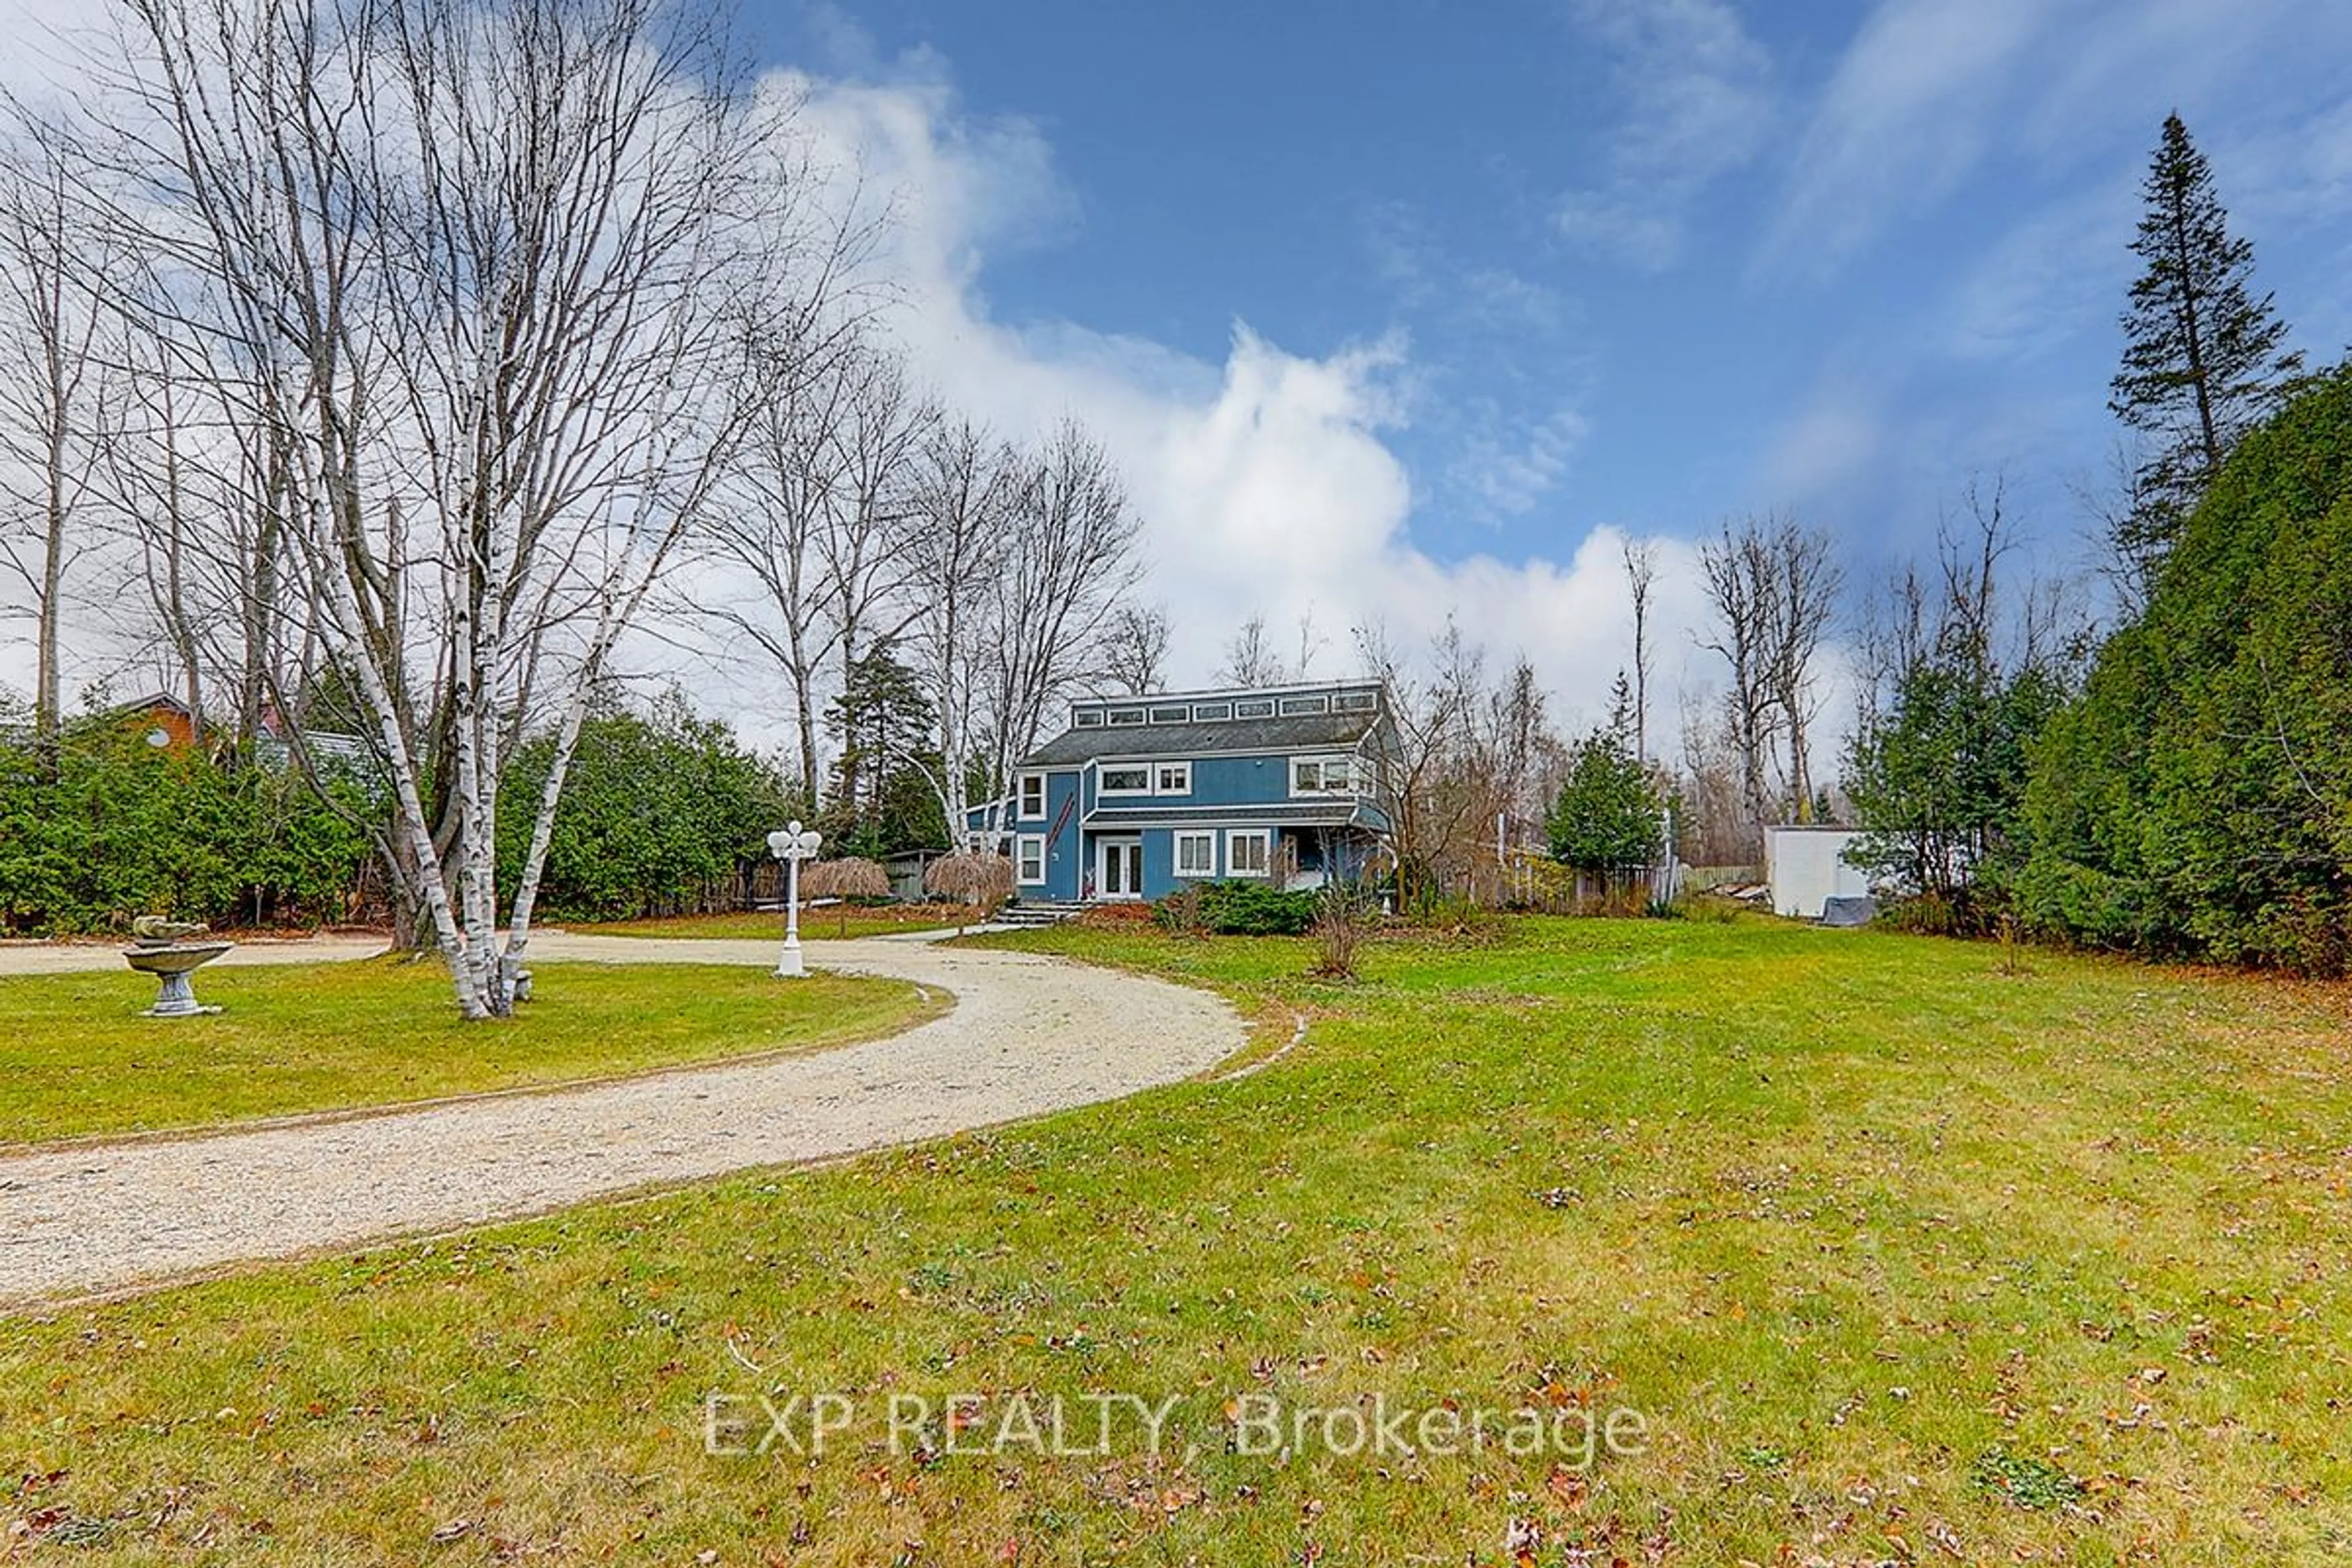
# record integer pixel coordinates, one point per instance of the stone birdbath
(158, 947)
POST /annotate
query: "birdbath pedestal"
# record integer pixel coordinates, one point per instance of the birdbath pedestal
(157, 949)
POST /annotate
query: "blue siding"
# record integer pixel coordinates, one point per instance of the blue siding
(1072, 792)
(1064, 866)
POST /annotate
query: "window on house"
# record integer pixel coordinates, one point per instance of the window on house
(1322, 775)
(1126, 716)
(1254, 710)
(1247, 851)
(1032, 796)
(1356, 702)
(1029, 859)
(1088, 719)
(1210, 712)
(1196, 855)
(1293, 706)
(1172, 778)
(1131, 780)
(1176, 715)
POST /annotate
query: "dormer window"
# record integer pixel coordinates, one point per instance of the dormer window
(1125, 716)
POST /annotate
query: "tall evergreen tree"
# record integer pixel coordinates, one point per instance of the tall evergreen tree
(2203, 355)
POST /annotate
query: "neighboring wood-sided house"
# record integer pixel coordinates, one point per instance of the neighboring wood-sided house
(1142, 795)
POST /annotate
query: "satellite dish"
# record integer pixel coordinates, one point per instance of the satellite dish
(159, 739)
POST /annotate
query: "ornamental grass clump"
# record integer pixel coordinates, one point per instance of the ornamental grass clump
(980, 881)
(850, 878)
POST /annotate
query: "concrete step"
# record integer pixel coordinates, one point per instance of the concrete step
(1037, 912)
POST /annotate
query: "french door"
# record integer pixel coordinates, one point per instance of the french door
(1120, 874)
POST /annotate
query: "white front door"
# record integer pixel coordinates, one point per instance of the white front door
(1120, 875)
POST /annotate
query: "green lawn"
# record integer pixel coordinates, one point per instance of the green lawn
(884, 920)
(76, 1058)
(1898, 1258)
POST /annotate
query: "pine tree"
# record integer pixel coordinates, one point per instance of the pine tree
(2202, 360)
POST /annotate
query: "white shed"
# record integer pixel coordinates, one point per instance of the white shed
(1806, 864)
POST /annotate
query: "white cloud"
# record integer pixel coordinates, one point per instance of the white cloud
(1903, 120)
(1265, 482)
(2059, 273)
(1510, 463)
(1930, 93)
(1700, 105)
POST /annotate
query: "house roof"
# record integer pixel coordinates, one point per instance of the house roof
(1299, 732)
(1300, 814)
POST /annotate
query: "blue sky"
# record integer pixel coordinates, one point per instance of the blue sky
(1646, 263)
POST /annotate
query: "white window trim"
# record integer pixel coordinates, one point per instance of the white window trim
(1186, 788)
(1021, 847)
(1265, 836)
(1021, 797)
(1176, 853)
(1355, 775)
(1104, 792)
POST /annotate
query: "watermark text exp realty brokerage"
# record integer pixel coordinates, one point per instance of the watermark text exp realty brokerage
(1097, 1426)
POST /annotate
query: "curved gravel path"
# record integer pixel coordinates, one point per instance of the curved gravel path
(1026, 1034)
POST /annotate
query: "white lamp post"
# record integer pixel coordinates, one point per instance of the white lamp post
(792, 846)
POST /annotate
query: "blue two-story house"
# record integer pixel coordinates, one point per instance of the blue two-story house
(1141, 796)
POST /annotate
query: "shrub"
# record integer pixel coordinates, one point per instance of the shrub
(1179, 913)
(1254, 909)
(1342, 919)
(662, 812)
(119, 830)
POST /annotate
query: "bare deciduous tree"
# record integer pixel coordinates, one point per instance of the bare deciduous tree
(1740, 585)
(775, 525)
(475, 274)
(1438, 785)
(1069, 558)
(1250, 659)
(51, 406)
(951, 546)
(1641, 574)
(1135, 649)
(1805, 601)
(1775, 588)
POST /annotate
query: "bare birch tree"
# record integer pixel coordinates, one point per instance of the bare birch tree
(479, 272)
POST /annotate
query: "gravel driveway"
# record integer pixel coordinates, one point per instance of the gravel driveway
(1026, 1034)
